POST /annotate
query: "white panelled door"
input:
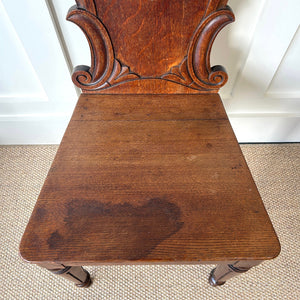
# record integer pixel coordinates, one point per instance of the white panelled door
(36, 94)
(260, 52)
(264, 104)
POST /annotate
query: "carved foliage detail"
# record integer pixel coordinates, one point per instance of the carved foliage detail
(195, 70)
(121, 73)
(180, 74)
(105, 69)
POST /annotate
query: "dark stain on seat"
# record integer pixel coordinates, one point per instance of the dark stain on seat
(124, 231)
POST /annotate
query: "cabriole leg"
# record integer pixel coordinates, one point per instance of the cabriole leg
(223, 272)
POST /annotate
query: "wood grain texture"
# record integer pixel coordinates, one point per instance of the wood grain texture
(150, 46)
(148, 178)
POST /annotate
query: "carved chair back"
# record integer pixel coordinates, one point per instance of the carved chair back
(157, 46)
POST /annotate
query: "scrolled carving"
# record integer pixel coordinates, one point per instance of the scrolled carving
(105, 69)
(102, 55)
(198, 62)
(88, 5)
(195, 71)
(218, 76)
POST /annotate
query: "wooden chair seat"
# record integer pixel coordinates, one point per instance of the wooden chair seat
(137, 181)
(149, 169)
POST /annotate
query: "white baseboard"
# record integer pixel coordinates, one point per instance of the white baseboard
(266, 128)
(32, 130)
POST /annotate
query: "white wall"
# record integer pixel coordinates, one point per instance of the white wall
(36, 93)
(260, 52)
(263, 95)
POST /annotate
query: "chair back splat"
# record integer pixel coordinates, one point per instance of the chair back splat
(157, 47)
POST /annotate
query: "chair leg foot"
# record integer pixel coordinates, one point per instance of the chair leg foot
(87, 282)
(219, 275)
(78, 275)
(212, 280)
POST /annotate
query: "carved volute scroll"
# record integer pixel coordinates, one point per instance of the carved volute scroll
(158, 46)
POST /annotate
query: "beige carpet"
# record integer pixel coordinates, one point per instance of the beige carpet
(276, 170)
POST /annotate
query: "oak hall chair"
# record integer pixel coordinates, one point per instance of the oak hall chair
(149, 169)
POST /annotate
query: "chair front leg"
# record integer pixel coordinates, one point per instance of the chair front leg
(225, 271)
(77, 274)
